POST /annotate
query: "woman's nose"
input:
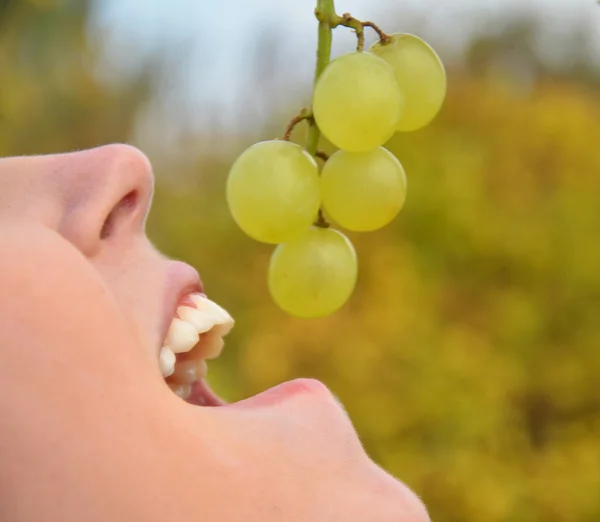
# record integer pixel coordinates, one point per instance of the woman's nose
(109, 190)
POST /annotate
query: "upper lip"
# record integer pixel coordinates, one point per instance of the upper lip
(181, 280)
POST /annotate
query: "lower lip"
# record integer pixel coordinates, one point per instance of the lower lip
(284, 392)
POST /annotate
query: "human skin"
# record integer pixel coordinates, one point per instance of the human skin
(89, 431)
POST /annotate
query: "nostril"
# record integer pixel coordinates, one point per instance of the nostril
(124, 207)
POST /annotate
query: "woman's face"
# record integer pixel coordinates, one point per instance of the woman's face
(92, 421)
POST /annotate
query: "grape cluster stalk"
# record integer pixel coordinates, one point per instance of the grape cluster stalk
(278, 194)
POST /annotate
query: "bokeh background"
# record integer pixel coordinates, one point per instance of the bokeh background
(469, 355)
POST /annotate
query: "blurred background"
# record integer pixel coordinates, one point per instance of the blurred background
(469, 355)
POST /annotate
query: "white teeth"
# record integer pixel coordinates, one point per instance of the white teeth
(200, 321)
(211, 346)
(223, 329)
(182, 390)
(182, 336)
(221, 316)
(166, 360)
(207, 319)
(188, 372)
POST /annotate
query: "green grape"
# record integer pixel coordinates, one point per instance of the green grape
(356, 102)
(420, 75)
(314, 274)
(363, 191)
(273, 191)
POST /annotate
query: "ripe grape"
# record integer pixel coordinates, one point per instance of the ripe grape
(273, 191)
(357, 102)
(420, 75)
(363, 191)
(314, 274)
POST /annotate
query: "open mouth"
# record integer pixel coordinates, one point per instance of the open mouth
(194, 337)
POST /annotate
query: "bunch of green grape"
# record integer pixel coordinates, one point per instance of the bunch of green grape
(277, 194)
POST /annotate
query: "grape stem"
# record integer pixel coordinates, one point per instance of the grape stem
(325, 14)
(322, 155)
(347, 20)
(304, 114)
(321, 222)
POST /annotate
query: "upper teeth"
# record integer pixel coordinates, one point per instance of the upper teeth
(182, 336)
(200, 321)
(166, 360)
(184, 332)
(220, 316)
